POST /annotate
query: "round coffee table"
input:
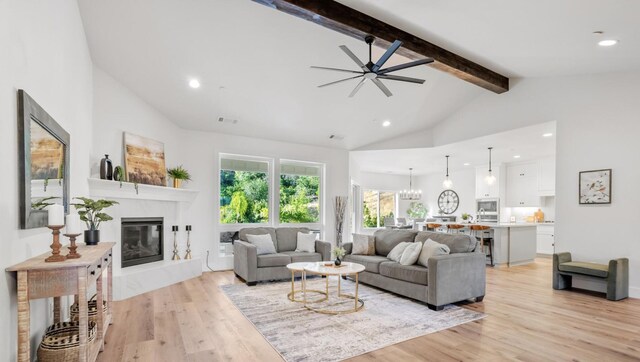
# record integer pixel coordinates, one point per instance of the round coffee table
(328, 269)
(299, 267)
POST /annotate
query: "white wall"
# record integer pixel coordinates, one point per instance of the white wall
(117, 110)
(464, 184)
(597, 127)
(44, 52)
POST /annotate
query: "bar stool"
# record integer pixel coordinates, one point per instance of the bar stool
(482, 229)
(454, 228)
(433, 227)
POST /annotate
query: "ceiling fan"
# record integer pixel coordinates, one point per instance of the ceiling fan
(374, 72)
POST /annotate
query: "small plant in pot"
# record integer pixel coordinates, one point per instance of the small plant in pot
(467, 217)
(91, 212)
(178, 174)
(338, 253)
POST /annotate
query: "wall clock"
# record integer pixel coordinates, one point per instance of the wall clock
(448, 202)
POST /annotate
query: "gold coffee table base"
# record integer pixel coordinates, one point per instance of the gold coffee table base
(358, 303)
(291, 296)
(325, 310)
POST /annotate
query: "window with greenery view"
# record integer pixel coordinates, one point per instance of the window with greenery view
(376, 206)
(299, 193)
(244, 191)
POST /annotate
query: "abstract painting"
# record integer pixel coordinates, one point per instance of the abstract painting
(144, 160)
(595, 187)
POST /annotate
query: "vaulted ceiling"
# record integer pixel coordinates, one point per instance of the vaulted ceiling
(253, 62)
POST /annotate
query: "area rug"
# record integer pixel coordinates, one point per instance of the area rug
(299, 334)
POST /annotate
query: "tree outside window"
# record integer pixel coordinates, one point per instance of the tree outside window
(377, 205)
(244, 192)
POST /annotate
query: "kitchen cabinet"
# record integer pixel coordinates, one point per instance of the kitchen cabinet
(483, 190)
(547, 176)
(546, 239)
(522, 185)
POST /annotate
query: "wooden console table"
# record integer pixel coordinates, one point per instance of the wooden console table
(38, 279)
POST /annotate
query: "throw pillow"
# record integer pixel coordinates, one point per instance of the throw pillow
(396, 253)
(364, 244)
(263, 243)
(306, 242)
(411, 253)
(431, 248)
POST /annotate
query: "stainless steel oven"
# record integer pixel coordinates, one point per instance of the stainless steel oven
(488, 210)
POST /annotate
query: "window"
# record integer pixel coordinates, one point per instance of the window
(244, 190)
(376, 207)
(299, 192)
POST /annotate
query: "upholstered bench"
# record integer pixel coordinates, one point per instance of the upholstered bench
(616, 274)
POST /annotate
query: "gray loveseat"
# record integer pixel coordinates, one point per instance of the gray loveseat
(447, 279)
(256, 268)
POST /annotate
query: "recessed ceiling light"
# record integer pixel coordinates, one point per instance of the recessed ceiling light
(194, 83)
(547, 134)
(516, 156)
(466, 164)
(607, 42)
(386, 123)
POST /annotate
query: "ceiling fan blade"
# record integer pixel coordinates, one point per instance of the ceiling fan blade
(354, 58)
(406, 65)
(357, 88)
(382, 87)
(400, 78)
(339, 81)
(336, 69)
(383, 59)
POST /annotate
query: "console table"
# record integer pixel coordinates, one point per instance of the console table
(37, 279)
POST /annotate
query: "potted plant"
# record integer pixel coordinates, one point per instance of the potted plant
(417, 210)
(467, 217)
(338, 253)
(178, 174)
(90, 212)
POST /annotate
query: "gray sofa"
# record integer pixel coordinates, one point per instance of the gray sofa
(447, 279)
(256, 268)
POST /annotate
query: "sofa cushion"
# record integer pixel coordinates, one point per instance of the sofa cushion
(288, 238)
(242, 234)
(388, 239)
(396, 253)
(306, 242)
(457, 243)
(269, 260)
(431, 248)
(364, 244)
(593, 269)
(409, 273)
(371, 262)
(301, 256)
(410, 254)
(263, 243)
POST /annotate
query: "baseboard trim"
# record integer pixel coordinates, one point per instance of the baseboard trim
(634, 292)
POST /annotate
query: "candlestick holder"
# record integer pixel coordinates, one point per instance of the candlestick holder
(187, 256)
(176, 256)
(72, 246)
(55, 245)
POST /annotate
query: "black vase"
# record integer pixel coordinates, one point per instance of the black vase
(91, 237)
(106, 168)
(337, 262)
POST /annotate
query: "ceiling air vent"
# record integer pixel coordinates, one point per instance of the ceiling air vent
(226, 120)
(335, 137)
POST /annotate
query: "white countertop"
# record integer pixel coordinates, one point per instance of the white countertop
(496, 225)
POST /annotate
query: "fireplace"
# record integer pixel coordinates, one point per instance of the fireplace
(142, 240)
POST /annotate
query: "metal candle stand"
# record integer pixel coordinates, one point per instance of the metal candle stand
(176, 256)
(188, 253)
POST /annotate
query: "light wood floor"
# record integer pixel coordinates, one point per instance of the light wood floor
(527, 321)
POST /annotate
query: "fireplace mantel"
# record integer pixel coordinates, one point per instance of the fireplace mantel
(114, 190)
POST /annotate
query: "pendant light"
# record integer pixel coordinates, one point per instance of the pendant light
(447, 183)
(411, 194)
(490, 179)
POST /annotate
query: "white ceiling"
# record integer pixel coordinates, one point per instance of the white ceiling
(528, 143)
(253, 61)
(522, 38)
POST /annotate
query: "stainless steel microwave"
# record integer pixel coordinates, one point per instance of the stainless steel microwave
(488, 206)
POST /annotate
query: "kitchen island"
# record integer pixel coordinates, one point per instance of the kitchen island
(513, 243)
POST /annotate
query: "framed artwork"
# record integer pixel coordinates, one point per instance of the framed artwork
(595, 187)
(144, 160)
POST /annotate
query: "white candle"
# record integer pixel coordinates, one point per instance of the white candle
(56, 215)
(74, 224)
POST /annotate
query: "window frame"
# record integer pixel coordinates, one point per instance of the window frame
(270, 184)
(321, 193)
(380, 223)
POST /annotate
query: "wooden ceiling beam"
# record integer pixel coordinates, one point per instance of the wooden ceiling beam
(348, 21)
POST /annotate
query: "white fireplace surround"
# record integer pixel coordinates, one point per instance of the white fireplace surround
(147, 201)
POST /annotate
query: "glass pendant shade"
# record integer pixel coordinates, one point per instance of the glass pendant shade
(490, 179)
(447, 183)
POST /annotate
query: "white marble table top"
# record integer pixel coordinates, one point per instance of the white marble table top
(297, 266)
(330, 269)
